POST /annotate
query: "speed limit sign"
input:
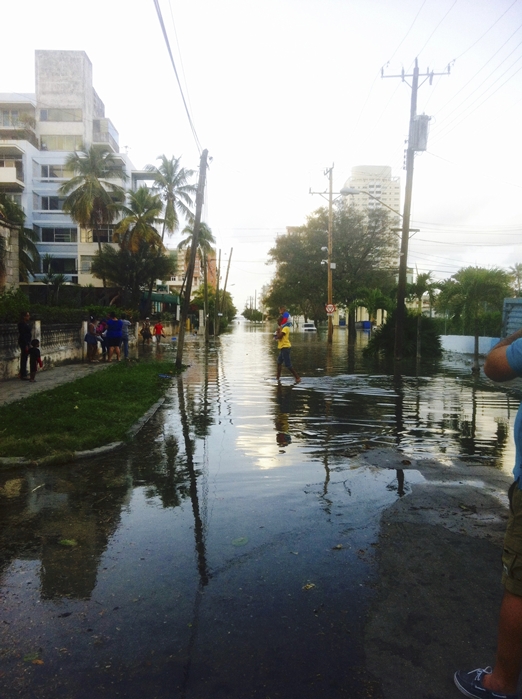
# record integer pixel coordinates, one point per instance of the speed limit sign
(330, 309)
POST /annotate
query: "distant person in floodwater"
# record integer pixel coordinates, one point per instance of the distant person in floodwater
(35, 359)
(282, 335)
(24, 342)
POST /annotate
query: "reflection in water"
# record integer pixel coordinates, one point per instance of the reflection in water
(283, 437)
(63, 520)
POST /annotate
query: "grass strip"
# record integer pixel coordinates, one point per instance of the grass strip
(83, 414)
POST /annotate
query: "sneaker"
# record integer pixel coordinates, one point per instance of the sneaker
(470, 684)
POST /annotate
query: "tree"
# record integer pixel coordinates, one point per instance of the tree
(28, 256)
(516, 275)
(364, 251)
(93, 199)
(137, 226)
(132, 270)
(470, 294)
(226, 303)
(423, 285)
(171, 181)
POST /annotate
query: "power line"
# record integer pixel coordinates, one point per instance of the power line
(162, 24)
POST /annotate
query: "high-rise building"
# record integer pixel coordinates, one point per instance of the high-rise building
(37, 133)
(379, 186)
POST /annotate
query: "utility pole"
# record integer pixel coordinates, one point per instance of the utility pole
(216, 299)
(329, 173)
(330, 245)
(417, 135)
(192, 262)
(221, 303)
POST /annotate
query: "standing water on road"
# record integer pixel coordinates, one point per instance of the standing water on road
(228, 551)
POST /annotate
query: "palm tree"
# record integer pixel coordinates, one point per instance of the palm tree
(205, 241)
(423, 285)
(171, 181)
(93, 199)
(137, 225)
(471, 293)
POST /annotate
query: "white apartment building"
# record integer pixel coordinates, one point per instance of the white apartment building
(37, 133)
(377, 184)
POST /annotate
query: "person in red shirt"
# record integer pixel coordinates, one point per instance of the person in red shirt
(158, 332)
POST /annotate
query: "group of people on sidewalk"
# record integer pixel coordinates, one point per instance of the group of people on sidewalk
(112, 333)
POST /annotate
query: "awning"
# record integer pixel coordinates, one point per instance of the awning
(162, 298)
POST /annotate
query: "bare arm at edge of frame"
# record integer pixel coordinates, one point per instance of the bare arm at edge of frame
(496, 366)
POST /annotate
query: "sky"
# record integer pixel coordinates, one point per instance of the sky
(280, 90)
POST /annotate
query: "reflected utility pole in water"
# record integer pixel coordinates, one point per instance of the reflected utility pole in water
(192, 262)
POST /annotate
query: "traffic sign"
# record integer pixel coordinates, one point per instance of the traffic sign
(330, 309)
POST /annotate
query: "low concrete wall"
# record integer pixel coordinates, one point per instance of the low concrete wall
(59, 344)
(465, 344)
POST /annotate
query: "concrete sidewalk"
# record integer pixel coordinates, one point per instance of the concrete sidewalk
(14, 389)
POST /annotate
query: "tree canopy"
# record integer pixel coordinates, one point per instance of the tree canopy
(172, 183)
(92, 196)
(131, 270)
(364, 250)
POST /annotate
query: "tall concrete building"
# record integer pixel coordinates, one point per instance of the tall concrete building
(378, 185)
(37, 133)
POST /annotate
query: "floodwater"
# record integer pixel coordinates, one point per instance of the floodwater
(228, 551)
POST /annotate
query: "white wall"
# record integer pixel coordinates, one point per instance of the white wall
(466, 344)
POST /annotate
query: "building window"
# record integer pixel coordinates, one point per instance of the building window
(51, 204)
(86, 263)
(67, 142)
(55, 172)
(61, 265)
(104, 235)
(56, 234)
(60, 114)
(9, 118)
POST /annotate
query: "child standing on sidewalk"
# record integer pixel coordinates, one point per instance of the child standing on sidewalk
(35, 359)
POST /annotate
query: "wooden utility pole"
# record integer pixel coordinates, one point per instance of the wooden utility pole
(413, 145)
(192, 262)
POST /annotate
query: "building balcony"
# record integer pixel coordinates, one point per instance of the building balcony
(104, 132)
(12, 179)
(25, 133)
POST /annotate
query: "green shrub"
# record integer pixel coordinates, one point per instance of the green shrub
(12, 303)
(382, 340)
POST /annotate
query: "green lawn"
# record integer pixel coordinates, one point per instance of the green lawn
(90, 412)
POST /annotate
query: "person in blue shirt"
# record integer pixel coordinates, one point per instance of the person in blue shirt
(504, 363)
(113, 336)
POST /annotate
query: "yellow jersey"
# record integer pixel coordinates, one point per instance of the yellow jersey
(284, 341)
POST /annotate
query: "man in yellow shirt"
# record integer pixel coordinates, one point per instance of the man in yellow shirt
(283, 345)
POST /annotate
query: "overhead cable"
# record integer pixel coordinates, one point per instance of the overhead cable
(192, 127)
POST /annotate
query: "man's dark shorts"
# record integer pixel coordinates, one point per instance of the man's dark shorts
(284, 357)
(512, 554)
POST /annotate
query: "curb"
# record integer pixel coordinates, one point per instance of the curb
(68, 456)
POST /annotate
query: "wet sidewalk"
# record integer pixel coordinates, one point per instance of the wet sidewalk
(12, 390)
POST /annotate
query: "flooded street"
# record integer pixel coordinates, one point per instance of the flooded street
(229, 551)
